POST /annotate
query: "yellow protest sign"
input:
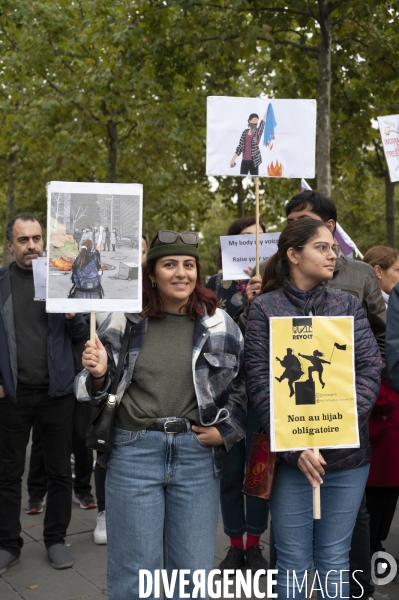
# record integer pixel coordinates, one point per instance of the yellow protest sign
(312, 383)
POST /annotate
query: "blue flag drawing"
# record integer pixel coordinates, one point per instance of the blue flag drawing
(269, 125)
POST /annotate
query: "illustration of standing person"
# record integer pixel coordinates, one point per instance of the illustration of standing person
(317, 363)
(293, 369)
(248, 146)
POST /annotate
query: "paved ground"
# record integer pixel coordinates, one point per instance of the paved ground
(34, 579)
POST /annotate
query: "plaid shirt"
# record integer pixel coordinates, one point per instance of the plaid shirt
(255, 139)
(218, 372)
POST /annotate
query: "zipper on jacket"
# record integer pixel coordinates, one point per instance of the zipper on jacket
(52, 373)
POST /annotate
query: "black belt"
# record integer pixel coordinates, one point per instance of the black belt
(172, 426)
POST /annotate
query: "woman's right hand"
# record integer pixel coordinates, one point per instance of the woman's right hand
(311, 466)
(95, 358)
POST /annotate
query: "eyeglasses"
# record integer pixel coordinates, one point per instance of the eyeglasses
(169, 237)
(324, 248)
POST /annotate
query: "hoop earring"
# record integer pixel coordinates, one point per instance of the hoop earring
(154, 284)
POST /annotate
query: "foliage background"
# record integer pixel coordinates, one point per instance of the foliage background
(98, 91)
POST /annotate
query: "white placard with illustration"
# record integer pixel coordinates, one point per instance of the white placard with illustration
(238, 253)
(260, 137)
(94, 247)
(389, 129)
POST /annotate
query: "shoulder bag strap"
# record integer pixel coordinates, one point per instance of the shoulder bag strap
(122, 354)
(218, 282)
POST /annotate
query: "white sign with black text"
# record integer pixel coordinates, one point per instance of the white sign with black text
(239, 251)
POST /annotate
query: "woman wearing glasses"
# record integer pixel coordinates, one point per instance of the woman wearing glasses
(294, 285)
(181, 408)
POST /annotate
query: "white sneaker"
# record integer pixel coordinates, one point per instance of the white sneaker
(100, 532)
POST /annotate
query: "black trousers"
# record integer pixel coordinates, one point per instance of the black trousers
(248, 168)
(54, 417)
(37, 478)
(381, 506)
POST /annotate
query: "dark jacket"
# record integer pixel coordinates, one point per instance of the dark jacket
(392, 339)
(60, 333)
(356, 278)
(288, 301)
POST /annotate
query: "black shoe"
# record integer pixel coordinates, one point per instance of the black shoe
(255, 559)
(235, 558)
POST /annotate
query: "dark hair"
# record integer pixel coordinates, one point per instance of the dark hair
(295, 235)
(83, 258)
(321, 205)
(200, 299)
(235, 229)
(253, 116)
(384, 256)
(25, 216)
(144, 237)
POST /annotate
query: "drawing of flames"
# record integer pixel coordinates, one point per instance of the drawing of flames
(275, 170)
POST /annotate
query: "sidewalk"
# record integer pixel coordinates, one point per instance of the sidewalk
(34, 578)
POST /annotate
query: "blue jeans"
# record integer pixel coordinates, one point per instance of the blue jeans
(241, 513)
(161, 507)
(301, 540)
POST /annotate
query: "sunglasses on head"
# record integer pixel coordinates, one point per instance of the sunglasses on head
(169, 237)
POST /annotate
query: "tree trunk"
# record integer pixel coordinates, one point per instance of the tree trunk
(390, 210)
(324, 103)
(112, 129)
(240, 198)
(12, 163)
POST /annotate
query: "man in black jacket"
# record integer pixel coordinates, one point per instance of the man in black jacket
(36, 385)
(357, 278)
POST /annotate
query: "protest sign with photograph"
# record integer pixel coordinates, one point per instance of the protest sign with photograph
(39, 267)
(238, 252)
(94, 247)
(260, 137)
(312, 383)
(389, 129)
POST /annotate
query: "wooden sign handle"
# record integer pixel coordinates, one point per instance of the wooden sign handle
(257, 260)
(92, 326)
(316, 493)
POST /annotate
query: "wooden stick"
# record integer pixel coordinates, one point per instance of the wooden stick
(257, 272)
(92, 326)
(316, 494)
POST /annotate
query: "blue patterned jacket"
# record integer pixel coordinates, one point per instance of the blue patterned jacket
(218, 372)
(290, 301)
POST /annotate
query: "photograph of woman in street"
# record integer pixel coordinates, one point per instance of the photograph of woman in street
(182, 406)
(294, 285)
(87, 271)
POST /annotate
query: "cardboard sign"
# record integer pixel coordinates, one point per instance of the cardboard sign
(238, 252)
(389, 129)
(93, 231)
(312, 383)
(260, 137)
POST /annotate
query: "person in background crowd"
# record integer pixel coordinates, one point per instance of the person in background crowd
(382, 490)
(359, 279)
(144, 249)
(36, 385)
(241, 514)
(107, 239)
(113, 238)
(294, 285)
(182, 407)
